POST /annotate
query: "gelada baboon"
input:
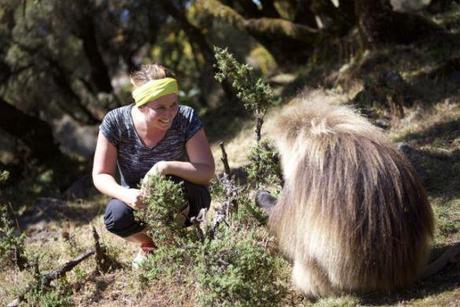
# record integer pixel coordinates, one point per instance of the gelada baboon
(353, 216)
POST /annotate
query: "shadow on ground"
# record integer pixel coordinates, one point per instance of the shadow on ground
(48, 218)
(445, 280)
(441, 160)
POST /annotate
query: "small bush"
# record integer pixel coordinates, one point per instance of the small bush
(235, 269)
(60, 295)
(264, 165)
(11, 242)
(164, 200)
(248, 213)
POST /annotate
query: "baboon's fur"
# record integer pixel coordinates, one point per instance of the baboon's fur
(353, 215)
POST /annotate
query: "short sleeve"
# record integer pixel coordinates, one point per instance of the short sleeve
(109, 128)
(193, 124)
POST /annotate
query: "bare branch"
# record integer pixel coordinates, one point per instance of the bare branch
(230, 203)
(224, 159)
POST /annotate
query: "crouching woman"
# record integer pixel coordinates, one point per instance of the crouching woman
(154, 132)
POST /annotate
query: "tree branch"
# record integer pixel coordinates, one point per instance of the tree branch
(48, 278)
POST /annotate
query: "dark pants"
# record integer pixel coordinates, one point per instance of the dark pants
(119, 218)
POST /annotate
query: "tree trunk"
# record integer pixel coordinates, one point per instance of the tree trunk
(34, 132)
(99, 72)
(379, 24)
(99, 75)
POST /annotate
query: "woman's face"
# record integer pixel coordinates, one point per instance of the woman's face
(161, 112)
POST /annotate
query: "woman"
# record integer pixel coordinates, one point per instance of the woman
(154, 134)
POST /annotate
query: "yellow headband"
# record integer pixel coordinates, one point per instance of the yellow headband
(154, 89)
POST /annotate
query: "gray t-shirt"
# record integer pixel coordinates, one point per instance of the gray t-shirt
(134, 159)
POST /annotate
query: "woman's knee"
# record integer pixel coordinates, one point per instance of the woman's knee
(119, 219)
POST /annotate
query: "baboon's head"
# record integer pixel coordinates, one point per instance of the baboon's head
(309, 130)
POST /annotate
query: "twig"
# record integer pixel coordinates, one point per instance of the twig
(68, 266)
(259, 123)
(102, 261)
(230, 203)
(215, 223)
(231, 193)
(224, 159)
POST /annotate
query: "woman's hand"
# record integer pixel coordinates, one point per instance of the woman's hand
(134, 199)
(160, 168)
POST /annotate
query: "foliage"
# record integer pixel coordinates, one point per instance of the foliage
(264, 165)
(235, 269)
(255, 94)
(223, 269)
(169, 262)
(164, 200)
(11, 243)
(60, 295)
(247, 212)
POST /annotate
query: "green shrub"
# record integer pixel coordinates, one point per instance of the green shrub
(164, 200)
(59, 295)
(235, 269)
(256, 95)
(246, 213)
(264, 165)
(11, 242)
(167, 261)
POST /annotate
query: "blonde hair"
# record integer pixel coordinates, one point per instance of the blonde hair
(149, 72)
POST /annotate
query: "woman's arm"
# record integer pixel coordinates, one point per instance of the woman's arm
(200, 168)
(104, 166)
